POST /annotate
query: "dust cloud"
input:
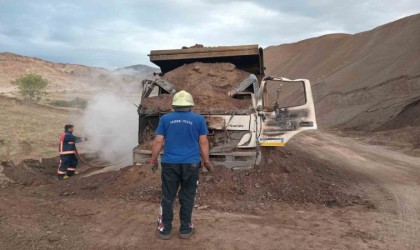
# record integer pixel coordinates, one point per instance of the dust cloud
(110, 123)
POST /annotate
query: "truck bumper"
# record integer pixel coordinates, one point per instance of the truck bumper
(237, 160)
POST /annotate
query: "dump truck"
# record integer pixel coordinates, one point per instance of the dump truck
(279, 108)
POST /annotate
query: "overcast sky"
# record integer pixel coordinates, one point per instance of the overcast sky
(121, 33)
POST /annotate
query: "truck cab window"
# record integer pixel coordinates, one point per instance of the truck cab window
(284, 94)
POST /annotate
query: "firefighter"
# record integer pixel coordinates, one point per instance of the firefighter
(68, 153)
(185, 136)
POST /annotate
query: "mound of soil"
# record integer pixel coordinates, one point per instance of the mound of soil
(32, 172)
(27, 172)
(131, 183)
(209, 83)
(284, 176)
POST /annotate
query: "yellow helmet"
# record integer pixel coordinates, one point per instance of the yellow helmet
(182, 99)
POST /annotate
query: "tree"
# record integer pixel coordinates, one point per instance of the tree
(31, 86)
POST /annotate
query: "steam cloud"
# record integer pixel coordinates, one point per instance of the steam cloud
(111, 124)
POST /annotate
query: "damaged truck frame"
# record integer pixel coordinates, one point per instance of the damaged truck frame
(279, 108)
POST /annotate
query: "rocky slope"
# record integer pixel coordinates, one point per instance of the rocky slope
(68, 77)
(362, 81)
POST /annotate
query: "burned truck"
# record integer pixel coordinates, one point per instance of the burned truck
(244, 109)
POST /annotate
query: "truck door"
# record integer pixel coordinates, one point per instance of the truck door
(285, 107)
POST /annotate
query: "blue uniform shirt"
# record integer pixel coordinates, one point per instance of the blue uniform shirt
(181, 131)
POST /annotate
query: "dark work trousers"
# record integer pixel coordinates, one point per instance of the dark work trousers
(173, 176)
(68, 164)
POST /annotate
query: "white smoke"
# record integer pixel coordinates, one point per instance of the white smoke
(110, 122)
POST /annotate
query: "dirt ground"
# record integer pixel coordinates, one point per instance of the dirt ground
(377, 188)
(405, 139)
(33, 220)
(393, 185)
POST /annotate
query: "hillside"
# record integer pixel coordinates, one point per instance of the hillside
(362, 81)
(29, 131)
(67, 77)
(137, 70)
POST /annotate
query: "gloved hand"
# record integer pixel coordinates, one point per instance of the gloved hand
(82, 138)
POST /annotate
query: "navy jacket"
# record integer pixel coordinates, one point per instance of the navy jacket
(68, 143)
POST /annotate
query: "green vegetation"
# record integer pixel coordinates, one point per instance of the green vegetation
(31, 86)
(75, 103)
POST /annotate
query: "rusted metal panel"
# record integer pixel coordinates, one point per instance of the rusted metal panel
(215, 122)
(253, 47)
(246, 57)
(203, 54)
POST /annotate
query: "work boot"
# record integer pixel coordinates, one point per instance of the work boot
(66, 177)
(61, 176)
(186, 235)
(164, 236)
(71, 173)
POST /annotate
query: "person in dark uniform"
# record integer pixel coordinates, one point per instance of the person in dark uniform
(185, 136)
(68, 153)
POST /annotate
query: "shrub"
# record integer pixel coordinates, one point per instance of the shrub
(31, 86)
(75, 103)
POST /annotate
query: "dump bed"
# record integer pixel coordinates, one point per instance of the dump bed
(246, 57)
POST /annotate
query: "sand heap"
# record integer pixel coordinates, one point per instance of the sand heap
(362, 81)
(209, 83)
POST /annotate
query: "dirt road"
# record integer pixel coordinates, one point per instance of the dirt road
(395, 185)
(39, 217)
